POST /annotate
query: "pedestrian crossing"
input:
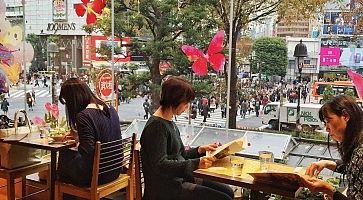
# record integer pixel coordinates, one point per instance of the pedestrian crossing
(215, 119)
(39, 93)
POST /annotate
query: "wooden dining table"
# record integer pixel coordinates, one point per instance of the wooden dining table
(33, 140)
(222, 172)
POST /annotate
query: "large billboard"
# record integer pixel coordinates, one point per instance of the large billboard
(341, 23)
(350, 57)
(329, 56)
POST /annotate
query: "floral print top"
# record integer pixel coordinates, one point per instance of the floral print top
(354, 173)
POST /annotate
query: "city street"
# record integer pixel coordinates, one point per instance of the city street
(127, 111)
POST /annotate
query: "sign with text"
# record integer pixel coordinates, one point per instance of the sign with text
(59, 10)
(352, 57)
(104, 84)
(341, 23)
(329, 56)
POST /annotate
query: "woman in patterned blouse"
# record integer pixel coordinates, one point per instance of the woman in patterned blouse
(343, 120)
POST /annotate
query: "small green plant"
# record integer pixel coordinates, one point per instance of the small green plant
(350, 92)
(328, 93)
(58, 126)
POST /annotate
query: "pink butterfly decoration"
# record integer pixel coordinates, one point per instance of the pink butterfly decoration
(213, 56)
(357, 81)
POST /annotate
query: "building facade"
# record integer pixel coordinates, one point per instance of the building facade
(341, 42)
(311, 63)
(57, 18)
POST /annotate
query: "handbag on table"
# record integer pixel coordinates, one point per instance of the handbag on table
(13, 156)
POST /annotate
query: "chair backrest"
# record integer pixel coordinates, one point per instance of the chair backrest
(139, 176)
(111, 156)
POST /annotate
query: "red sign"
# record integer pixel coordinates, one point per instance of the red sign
(105, 84)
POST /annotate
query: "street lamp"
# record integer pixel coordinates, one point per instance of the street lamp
(52, 49)
(300, 52)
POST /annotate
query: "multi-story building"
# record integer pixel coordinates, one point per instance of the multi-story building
(341, 42)
(310, 68)
(264, 28)
(298, 28)
(14, 10)
(77, 49)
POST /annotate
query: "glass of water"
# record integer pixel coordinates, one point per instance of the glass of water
(237, 165)
(266, 158)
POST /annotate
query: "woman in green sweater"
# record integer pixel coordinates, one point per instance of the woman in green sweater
(167, 166)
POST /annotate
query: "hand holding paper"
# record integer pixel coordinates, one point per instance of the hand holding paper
(206, 162)
(229, 148)
(205, 148)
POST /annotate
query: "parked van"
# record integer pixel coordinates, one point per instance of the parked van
(287, 115)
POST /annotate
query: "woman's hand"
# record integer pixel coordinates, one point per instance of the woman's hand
(205, 162)
(209, 147)
(74, 134)
(316, 167)
(318, 185)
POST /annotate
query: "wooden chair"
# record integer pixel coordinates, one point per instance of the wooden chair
(139, 177)
(104, 162)
(21, 172)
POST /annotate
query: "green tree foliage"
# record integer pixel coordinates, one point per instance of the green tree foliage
(202, 88)
(350, 92)
(252, 11)
(328, 93)
(271, 54)
(160, 24)
(37, 63)
(134, 84)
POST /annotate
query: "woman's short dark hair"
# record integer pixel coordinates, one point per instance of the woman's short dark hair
(76, 95)
(353, 133)
(175, 91)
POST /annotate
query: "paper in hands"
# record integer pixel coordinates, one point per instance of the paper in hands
(229, 148)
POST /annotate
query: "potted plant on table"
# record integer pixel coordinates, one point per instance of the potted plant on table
(53, 124)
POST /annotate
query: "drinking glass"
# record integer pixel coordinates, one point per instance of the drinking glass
(236, 165)
(266, 158)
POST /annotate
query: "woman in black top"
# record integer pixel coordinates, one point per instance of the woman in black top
(167, 166)
(343, 119)
(93, 121)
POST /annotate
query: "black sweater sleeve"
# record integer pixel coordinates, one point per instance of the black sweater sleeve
(191, 153)
(340, 167)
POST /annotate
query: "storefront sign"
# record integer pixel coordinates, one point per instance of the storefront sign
(59, 10)
(104, 84)
(329, 56)
(61, 26)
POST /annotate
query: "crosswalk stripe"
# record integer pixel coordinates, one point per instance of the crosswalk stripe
(215, 119)
(38, 93)
(17, 94)
(44, 93)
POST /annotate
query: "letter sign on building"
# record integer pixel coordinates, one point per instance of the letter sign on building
(104, 84)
